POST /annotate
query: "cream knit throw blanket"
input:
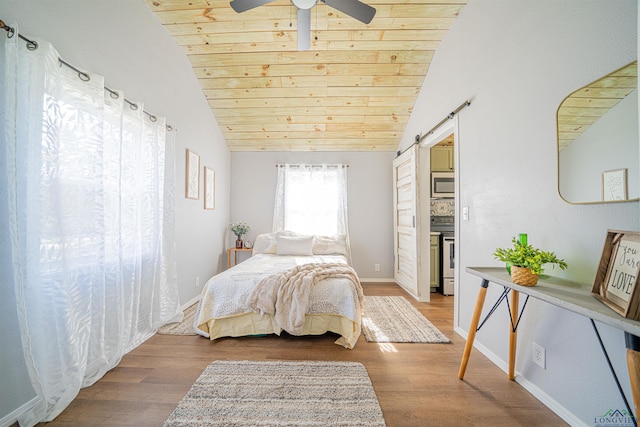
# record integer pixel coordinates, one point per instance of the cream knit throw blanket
(285, 295)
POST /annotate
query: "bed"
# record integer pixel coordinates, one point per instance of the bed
(303, 285)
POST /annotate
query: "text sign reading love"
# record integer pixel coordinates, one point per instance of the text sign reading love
(624, 269)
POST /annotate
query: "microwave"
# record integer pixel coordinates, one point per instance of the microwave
(442, 185)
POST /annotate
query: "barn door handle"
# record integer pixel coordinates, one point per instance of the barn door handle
(451, 252)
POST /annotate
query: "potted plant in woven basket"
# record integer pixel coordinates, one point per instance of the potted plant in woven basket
(526, 261)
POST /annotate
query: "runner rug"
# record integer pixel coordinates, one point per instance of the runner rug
(181, 328)
(394, 319)
(279, 393)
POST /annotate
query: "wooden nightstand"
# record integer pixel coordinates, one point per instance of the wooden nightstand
(235, 255)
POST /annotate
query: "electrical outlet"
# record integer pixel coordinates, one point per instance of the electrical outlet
(197, 281)
(376, 267)
(465, 213)
(538, 355)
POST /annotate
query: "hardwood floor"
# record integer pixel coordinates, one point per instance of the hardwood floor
(416, 384)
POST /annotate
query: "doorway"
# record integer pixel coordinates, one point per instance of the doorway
(440, 152)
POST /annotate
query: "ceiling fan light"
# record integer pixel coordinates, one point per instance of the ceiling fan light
(304, 4)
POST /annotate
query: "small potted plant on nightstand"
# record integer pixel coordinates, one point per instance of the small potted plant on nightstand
(239, 229)
(526, 262)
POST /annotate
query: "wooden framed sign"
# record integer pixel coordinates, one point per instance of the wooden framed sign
(192, 190)
(209, 188)
(616, 283)
(614, 185)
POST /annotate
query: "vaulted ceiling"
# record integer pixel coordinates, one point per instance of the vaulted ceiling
(353, 90)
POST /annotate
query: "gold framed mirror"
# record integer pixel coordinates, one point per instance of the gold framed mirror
(598, 144)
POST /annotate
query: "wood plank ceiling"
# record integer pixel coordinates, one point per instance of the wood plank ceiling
(586, 105)
(352, 91)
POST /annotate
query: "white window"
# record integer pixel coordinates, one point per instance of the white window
(311, 199)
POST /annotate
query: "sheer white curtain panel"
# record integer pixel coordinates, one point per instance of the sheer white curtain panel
(87, 229)
(311, 199)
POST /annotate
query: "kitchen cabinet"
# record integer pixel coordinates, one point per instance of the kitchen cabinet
(435, 262)
(442, 158)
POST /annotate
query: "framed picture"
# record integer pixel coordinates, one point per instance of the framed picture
(616, 283)
(614, 185)
(209, 188)
(192, 180)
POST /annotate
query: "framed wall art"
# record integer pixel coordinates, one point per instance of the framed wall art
(616, 283)
(209, 188)
(192, 190)
(614, 185)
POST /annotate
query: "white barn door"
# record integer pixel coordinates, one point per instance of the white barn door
(404, 227)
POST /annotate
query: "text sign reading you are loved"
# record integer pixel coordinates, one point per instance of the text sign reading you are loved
(624, 269)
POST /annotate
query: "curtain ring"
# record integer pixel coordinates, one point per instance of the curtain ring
(10, 31)
(31, 45)
(169, 128)
(153, 118)
(112, 93)
(81, 74)
(133, 106)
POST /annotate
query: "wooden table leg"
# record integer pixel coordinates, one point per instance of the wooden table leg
(482, 293)
(513, 335)
(228, 259)
(633, 364)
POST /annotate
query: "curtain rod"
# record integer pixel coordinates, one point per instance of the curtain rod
(433, 129)
(33, 45)
(281, 165)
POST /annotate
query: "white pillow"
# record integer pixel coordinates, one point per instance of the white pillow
(294, 245)
(330, 245)
(266, 243)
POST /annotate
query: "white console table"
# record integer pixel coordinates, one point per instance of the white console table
(571, 296)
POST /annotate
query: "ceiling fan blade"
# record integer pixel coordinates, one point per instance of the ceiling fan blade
(354, 8)
(304, 29)
(244, 5)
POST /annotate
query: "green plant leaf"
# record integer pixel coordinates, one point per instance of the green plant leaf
(525, 255)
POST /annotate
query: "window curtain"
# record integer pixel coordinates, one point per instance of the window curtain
(311, 199)
(87, 201)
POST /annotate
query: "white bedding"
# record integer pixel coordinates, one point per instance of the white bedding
(334, 303)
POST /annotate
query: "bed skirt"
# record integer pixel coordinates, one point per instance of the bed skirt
(258, 324)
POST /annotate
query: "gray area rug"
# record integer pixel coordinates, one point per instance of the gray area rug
(181, 328)
(279, 393)
(394, 319)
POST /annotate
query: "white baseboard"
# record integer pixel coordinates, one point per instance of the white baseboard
(538, 393)
(12, 417)
(377, 280)
(550, 403)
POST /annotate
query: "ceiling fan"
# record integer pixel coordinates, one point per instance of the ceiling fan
(354, 8)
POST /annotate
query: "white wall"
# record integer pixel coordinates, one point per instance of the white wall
(253, 184)
(123, 41)
(516, 60)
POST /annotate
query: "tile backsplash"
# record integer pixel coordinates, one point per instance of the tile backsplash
(442, 207)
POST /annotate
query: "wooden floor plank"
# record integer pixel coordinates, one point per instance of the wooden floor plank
(416, 384)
